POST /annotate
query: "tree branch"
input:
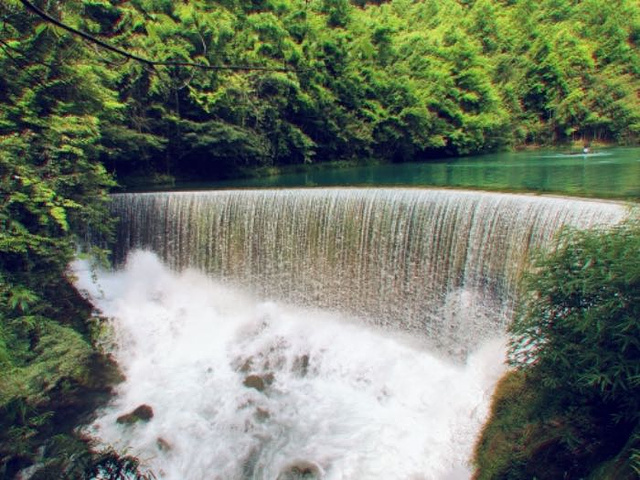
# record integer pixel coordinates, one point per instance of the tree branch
(32, 8)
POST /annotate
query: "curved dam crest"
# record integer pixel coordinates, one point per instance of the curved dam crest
(441, 265)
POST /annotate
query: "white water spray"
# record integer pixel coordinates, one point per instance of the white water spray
(440, 264)
(248, 389)
(344, 385)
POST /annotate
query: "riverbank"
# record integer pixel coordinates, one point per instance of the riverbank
(569, 406)
(47, 391)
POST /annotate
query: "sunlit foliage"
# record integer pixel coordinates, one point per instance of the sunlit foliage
(571, 407)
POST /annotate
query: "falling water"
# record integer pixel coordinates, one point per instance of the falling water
(316, 334)
(442, 265)
(248, 389)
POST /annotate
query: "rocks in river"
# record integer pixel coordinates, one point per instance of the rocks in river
(246, 366)
(262, 415)
(301, 470)
(259, 382)
(163, 445)
(143, 413)
(301, 365)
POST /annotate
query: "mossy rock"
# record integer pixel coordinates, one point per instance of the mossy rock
(143, 413)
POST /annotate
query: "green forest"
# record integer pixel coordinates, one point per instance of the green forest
(295, 82)
(97, 94)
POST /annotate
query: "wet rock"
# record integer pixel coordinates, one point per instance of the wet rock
(163, 445)
(143, 413)
(301, 365)
(254, 381)
(262, 415)
(301, 470)
(246, 366)
(259, 382)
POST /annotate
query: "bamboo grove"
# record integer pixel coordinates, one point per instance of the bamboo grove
(299, 81)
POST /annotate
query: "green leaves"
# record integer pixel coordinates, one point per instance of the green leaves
(482, 75)
(570, 408)
(53, 192)
(579, 316)
(21, 298)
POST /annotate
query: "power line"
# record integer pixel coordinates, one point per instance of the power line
(31, 7)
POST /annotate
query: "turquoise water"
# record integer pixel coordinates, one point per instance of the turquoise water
(608, 173)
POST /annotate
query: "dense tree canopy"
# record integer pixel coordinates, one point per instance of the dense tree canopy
(397, 80)
(53, 192)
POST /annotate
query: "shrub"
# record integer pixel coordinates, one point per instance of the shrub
(570, 406)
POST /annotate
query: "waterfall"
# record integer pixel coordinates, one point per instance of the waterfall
(442, 265)
(334, 334)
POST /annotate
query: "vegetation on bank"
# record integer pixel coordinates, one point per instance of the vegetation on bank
(393, 80)
(53, 192)
(571, 406)
(335, 80)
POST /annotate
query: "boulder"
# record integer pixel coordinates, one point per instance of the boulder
(301, 470)
(259, 382)
(262, 415)
(143, 413)
(163, 445)
(301, 365)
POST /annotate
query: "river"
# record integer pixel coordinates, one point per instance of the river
(606, 173)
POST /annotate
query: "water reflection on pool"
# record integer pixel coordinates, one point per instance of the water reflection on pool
(607, 173)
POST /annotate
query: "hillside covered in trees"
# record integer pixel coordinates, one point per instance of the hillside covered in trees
(221, 88)
(299, 81)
